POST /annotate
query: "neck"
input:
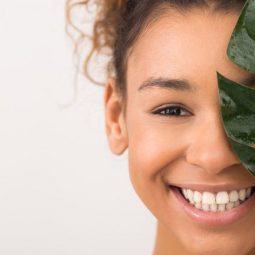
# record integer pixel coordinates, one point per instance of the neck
(166, 243)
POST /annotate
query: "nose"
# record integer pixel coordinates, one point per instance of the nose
(210, 149)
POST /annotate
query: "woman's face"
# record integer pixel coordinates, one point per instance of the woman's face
(180, 53)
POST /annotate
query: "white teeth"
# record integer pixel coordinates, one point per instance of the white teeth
(221, 207)
(197, 197)
(205, 207)
(213, 207)
(198, 205)
(190, 196)
(236, 203)
(222, 197)
(242, 194)
(233, 196)
(208, 198)
(184, 191)
(248, 192)
(230, 205)
(221, 201)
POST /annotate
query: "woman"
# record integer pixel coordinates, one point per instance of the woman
(161, 103)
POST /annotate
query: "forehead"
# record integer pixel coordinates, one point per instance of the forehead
(190, 45)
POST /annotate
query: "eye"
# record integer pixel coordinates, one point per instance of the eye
(174, 110)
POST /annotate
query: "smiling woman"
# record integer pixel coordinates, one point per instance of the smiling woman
(161, 103)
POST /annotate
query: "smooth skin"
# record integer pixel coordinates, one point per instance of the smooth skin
(191, 147)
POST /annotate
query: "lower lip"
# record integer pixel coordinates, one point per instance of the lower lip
(214, 218)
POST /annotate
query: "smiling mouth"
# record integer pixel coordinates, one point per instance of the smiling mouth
(216, 201)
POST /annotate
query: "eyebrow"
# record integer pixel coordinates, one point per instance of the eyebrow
(166, 83)
(181, 84)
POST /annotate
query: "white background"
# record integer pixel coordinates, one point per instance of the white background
(61, 189)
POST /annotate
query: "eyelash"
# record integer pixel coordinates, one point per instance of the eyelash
(169, 110)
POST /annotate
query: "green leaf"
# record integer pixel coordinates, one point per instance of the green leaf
(246, 155)
(238, 101)
(250, 20)
(241, 48)
(237, 110)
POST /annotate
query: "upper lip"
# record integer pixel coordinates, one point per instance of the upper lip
(212, 187)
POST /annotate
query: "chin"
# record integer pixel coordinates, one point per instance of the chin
(219, 244)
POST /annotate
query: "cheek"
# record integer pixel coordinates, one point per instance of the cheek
(154, 146)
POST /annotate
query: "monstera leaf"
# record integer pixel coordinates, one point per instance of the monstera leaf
(238, 101)
(241, 48)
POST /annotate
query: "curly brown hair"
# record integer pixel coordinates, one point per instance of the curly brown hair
(118, 24)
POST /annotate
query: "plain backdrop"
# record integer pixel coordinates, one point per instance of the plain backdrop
(61, 189)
